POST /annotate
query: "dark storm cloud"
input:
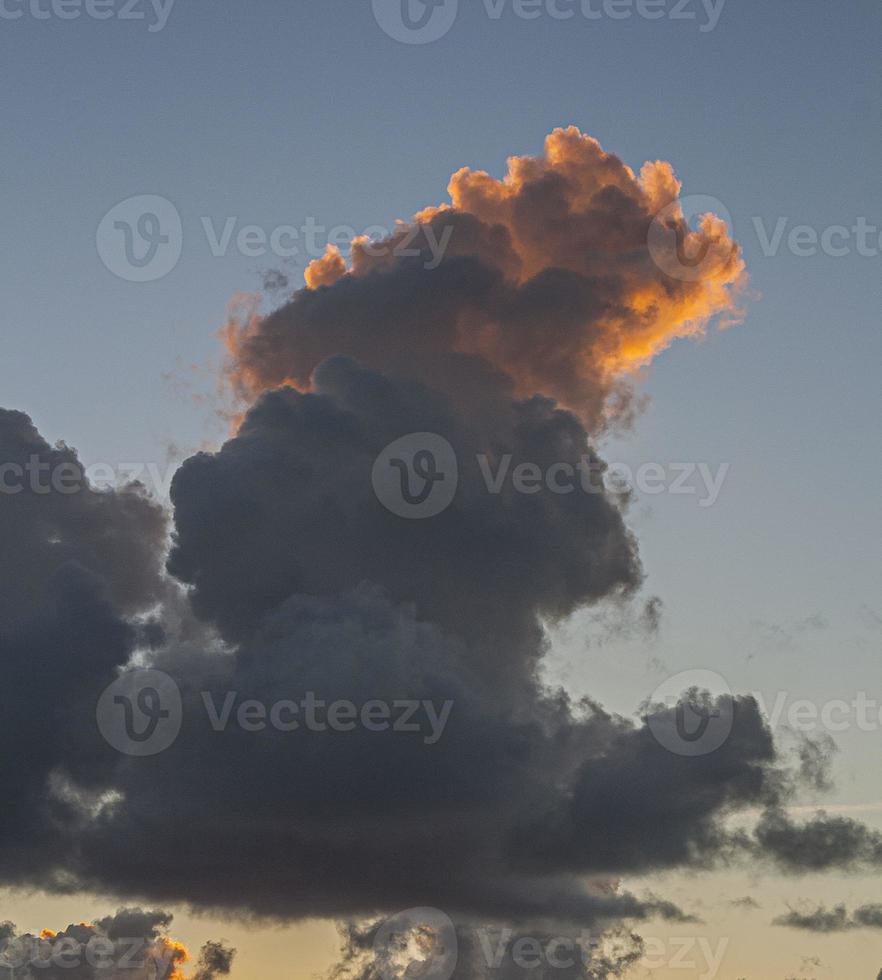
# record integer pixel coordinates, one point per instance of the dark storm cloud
(368, 820)
(289, 505)
(822, 843)
(640, 807)
(75, 563)
(49, 515)
(836, 919)
(531, 804)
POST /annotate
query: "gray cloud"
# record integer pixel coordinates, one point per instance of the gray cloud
(821, 843)
(77, 565)
(746, 902)
(132, 944)
(215, 960)
(485, 950)
(49, 516)
(836, 919)
(298, 579)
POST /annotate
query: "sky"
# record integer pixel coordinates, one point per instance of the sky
(317, 116)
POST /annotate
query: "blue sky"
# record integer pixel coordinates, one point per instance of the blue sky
(309, 111)
(275, 113)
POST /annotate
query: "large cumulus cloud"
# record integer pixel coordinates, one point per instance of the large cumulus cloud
(528, 806)
(288, 506)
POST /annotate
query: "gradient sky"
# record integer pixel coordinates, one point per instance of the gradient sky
(280, 112)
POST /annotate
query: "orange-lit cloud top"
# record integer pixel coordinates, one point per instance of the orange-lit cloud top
(128, 945)
(567, 275)
(132, 944)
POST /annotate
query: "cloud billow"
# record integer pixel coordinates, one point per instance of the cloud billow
(836, 919)
(286, 574)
